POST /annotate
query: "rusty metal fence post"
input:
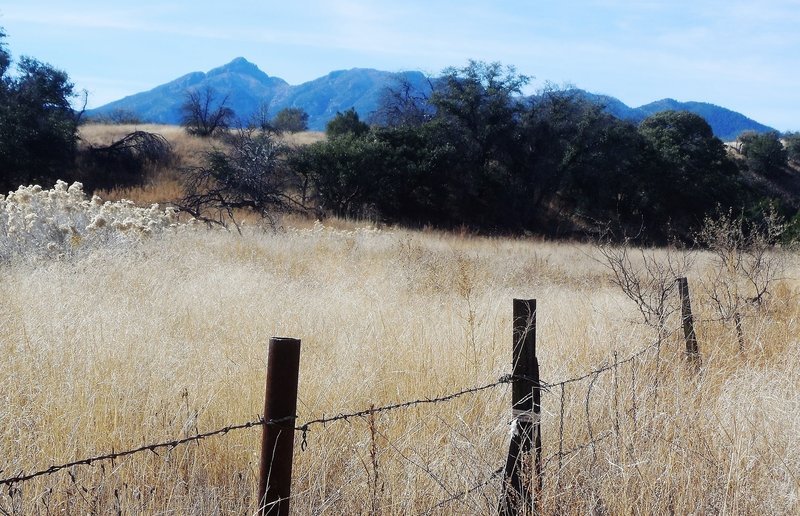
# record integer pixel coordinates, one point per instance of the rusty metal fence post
(526, 410)
(277, 443)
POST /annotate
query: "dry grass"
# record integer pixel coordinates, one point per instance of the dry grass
(114, 351)
(165, 187)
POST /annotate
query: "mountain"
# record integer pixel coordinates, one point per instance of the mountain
(726, 124)
(249, 89)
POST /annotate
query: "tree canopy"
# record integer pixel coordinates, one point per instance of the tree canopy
(474, 151)
(291, 120)
(38, 126)
(764, 152)
(346, 123)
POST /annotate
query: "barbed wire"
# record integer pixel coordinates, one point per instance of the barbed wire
(305, 427)
(147, 447)
(564, 454)
(549, 386)
(462, 494)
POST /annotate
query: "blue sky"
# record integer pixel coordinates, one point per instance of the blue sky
(744, 55)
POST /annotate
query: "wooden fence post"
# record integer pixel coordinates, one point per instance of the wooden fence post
(277, 443)
(526, 411)
(692, 349)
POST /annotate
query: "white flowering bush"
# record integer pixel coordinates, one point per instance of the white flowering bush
(62, 222)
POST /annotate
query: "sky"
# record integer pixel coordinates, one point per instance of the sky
(742, 55)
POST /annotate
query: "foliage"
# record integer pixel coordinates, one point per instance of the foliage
(38, 126)
(248, 176)
(346, 173)
(292, 120)
(693, 173)
(764, 152)
(346, 123)
(202, 114)
(474, 152)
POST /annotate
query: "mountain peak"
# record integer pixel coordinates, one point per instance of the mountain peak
(239, 65)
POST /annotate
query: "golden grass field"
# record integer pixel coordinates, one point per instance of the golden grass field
(119, 348)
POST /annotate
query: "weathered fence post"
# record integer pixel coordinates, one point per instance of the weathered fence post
(277, 442)
(526, 411)
(692, 349)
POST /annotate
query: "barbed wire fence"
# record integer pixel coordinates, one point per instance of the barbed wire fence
(558, 390)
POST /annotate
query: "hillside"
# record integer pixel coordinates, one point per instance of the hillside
(726, 124)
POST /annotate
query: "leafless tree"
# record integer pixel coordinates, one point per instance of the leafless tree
(250, 174)
(747, 262)
(403, 104)
(201, 113)
(645, 277)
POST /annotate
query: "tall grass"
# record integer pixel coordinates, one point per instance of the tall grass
(112, 349)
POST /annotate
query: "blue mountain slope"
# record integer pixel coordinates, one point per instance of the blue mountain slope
(249, 89)
(727, 124)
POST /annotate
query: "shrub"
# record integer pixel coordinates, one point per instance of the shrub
(765, 154)
(248, 176)
(346, 123)
(126, 162)
(62, 222)
(291, 120)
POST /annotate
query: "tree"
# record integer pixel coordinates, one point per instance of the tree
(692, 175)
(764, 152)
(249, 176)
(478, 110)
(793, 147)
(404, 103)
(292, 120)
(118, 116)
(346, 173)
(38, 126)
(5, 56)
(203, 115)
(346, 123)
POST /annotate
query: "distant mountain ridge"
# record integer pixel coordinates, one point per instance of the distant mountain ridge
(249, 89)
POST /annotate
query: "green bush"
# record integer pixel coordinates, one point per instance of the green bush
(346, 123)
